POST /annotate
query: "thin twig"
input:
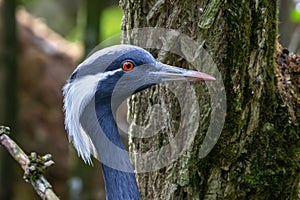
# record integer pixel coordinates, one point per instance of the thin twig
(33, 166)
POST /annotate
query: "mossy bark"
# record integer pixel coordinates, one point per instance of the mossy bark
(257, 154)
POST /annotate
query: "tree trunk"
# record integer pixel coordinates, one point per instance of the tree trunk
(257, 153)
(8, 55)
(92, 27)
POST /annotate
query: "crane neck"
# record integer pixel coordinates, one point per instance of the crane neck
(119, 177)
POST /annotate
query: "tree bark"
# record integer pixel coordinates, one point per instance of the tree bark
(257, 154)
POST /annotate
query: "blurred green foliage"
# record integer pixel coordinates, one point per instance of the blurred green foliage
(295, 15)
(68, 17)
(110, 21)
(110, 24)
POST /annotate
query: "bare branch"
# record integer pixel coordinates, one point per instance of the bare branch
(33, 166)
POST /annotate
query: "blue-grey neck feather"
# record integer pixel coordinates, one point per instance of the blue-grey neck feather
(120, 181)
(119, 184)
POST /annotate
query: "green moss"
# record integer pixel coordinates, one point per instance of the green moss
(272, 167)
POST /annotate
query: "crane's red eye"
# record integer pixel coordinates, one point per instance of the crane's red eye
(127, 66)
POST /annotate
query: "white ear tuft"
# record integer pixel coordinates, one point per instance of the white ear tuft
(77, 95)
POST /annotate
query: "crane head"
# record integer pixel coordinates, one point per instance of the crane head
(118, 71)
(132, 69)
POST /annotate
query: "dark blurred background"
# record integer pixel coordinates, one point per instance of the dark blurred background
(41, 42)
